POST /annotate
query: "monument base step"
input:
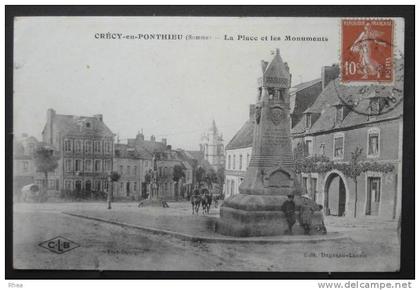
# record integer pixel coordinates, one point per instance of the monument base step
(242, 223)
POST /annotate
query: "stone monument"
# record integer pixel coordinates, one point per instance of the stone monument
(255, 211)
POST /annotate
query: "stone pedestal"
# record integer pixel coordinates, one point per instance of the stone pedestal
(256, 211)
(250, 215)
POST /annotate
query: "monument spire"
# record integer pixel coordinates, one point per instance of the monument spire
(269, 179)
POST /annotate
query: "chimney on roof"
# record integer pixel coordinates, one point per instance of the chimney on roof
(140, 136)
(50, 117)
(164, 141)
(329, 73)
(100, 117)
(153, 138)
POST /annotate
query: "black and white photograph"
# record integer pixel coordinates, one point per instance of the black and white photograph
(209, 144)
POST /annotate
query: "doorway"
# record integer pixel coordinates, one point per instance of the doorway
(88, 186)
(128, 188)
(335, 195)
(373, 198)
(78, 185)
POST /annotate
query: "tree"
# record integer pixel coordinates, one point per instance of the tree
(45, 161)
(178, 174)
(210, 177)
(113, 177)
(200, 174)
(353, 170)
(148, 177)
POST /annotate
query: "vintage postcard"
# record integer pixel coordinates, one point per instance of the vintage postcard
(262, 144)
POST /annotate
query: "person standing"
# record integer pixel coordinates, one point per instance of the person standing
(306, 211)
(289, 207)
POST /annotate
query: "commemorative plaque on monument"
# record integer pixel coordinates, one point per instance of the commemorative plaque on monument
(256, 210)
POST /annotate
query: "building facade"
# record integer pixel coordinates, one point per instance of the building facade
(127, 164)
(167, 187)
(133, 161)
(238, 155)
(335, 131)
(85, 146)
(24, 170)
(212, 147)
(139, 158)
(329, 128)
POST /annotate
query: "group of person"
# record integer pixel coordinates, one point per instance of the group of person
(306, 209)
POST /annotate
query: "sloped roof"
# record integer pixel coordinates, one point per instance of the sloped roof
(80, 125)
(359, 95)
(197, 155)
(152, 146)
(304, 85)
(276, 68)
(126, 151)
(185, 157)
(243, 138)
(143, 153)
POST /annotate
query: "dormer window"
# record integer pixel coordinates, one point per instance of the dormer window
(87, 124)
(308, 120)
(376, 105)
(339, 116)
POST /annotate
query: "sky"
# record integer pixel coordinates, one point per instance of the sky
(168, 88)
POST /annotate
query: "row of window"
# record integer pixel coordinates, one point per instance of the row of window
(231, 162)
(88, 185)
(373, 145)
(129, 170)
(165, 188)
(339, 117)
(128, 187)
(100, 185)
(165, 171)
(87, 165)
(52, 183)
(79, 146)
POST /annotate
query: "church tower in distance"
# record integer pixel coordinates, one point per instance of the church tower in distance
(212, 147)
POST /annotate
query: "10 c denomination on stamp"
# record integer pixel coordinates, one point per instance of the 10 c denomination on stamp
(367, 50)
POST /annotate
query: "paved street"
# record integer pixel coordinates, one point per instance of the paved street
(112, 247)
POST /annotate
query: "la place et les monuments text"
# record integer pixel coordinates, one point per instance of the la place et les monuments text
(238, 37)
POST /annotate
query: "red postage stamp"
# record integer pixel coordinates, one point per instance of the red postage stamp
(367, 50)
